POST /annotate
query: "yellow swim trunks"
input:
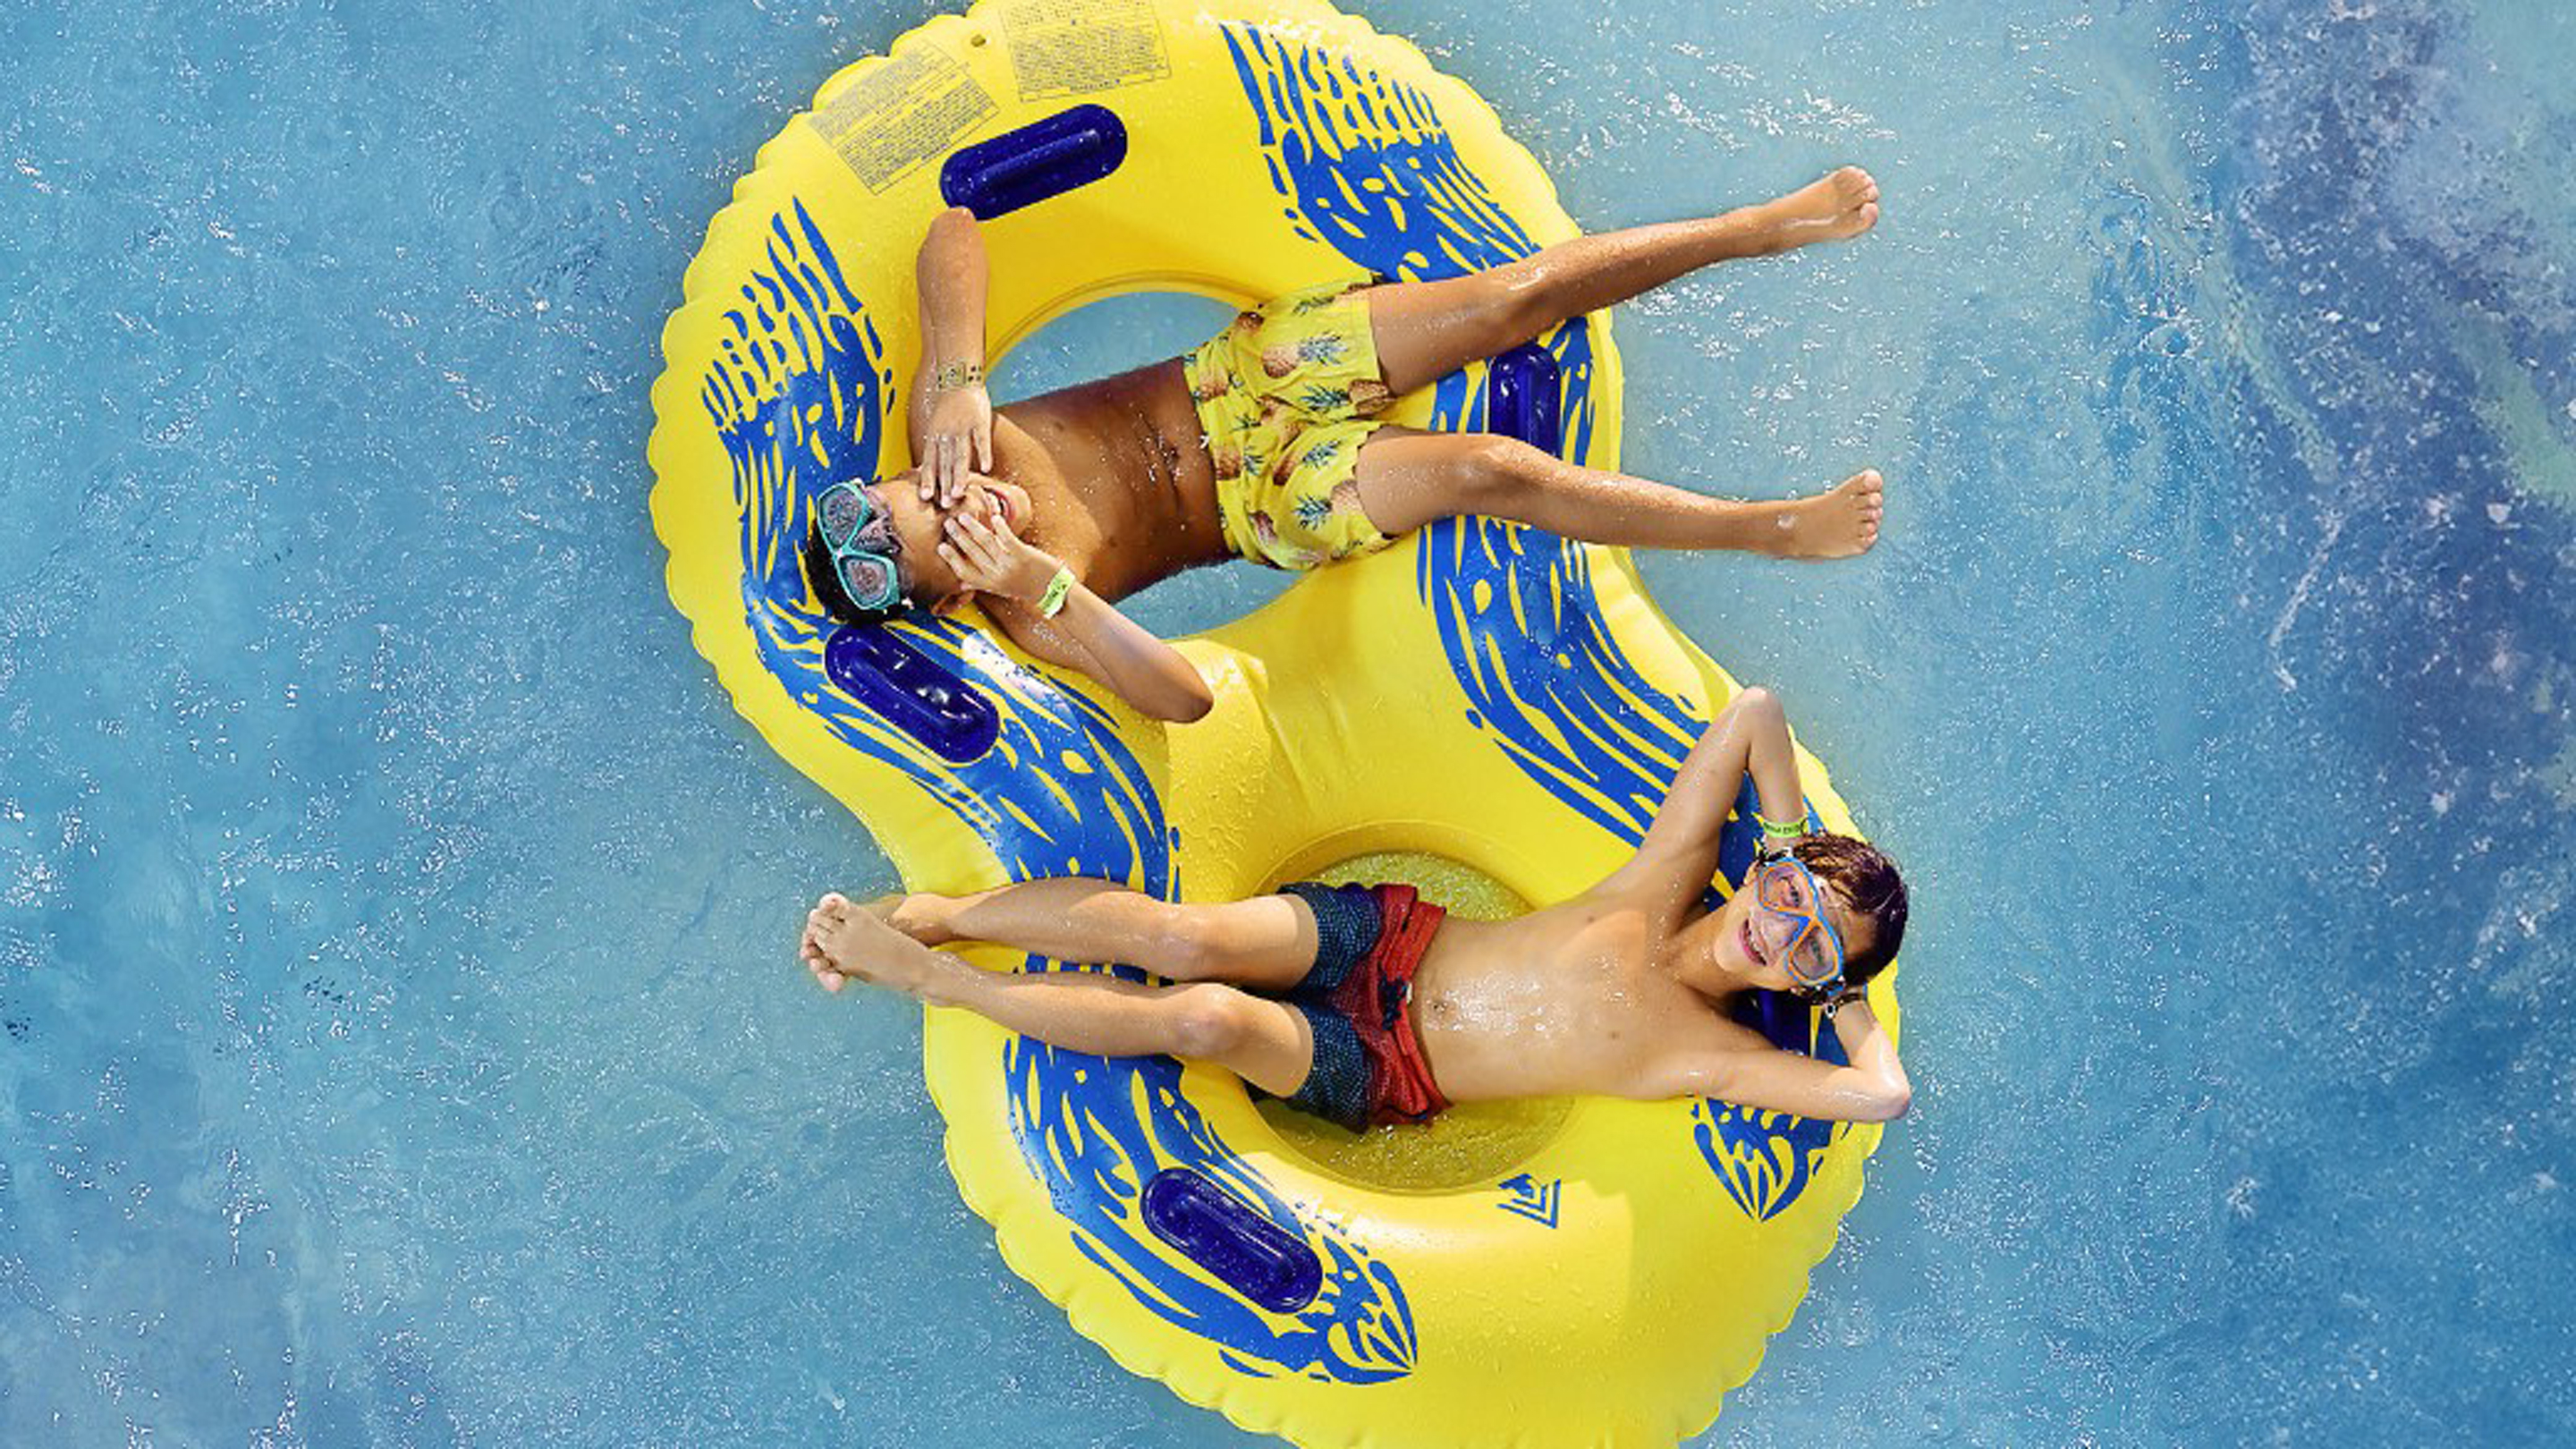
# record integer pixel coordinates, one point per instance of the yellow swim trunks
(1286, 396)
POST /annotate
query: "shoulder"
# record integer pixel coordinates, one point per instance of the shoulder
(1021, 455)
(1065, 526)
(1009, 431)
(1664, 884)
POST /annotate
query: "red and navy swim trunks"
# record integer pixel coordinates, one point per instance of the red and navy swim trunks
(1368, 1065)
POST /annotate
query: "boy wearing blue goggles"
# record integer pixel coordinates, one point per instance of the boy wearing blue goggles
(1629, 989)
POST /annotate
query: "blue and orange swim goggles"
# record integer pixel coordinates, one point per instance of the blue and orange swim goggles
(1783, 887)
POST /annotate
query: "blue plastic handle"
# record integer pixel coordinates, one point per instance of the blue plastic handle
(874, 666)
(1222, 1233)
(1522, 387)
(1042, 159)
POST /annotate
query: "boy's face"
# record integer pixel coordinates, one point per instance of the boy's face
(928, 580)
(1751, 942)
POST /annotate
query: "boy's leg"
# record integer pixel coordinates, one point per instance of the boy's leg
(1408, 478)
(1267, 942)
(1265, 1042)
(1426, 330)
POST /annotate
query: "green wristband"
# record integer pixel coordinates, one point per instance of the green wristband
(1780, 829)
(1058, 589)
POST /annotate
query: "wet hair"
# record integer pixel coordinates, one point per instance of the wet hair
(826, 583)
(1867, 881)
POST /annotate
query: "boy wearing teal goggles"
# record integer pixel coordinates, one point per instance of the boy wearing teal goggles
(1272, 443)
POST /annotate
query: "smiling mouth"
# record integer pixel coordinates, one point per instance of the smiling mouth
(1752, 948)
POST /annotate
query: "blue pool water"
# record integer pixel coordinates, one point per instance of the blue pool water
(403, 1041)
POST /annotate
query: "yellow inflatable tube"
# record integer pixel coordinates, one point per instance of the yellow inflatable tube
(1485, 709)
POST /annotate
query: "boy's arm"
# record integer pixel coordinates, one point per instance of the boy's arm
(1750, 1072)
(951, 414)
(1086, 632)
(1749, 736)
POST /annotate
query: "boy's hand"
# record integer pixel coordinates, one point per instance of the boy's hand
(993, 560)
(960, 442)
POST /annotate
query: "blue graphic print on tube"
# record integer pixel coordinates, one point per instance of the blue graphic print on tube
(1763, 1159)
(1527, 1197)
(801, 400)
(1367, 167)
(1104, 1127)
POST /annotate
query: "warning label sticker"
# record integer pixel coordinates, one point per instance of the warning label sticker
(889, 121)
(1069, 47)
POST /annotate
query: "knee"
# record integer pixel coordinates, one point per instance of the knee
(1197, 947)
(1496, 469)
(1515, 302)
(1207, 1022)
(1524, 307)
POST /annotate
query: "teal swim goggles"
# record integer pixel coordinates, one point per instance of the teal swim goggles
(859, 535)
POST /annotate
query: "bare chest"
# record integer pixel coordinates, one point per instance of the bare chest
(1122, 483)
(1541, 1005)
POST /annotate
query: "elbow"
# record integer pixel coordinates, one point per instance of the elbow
(1753, 708)
(1185, 705)
(953, 242)
(956, 238)
(1889, 1104)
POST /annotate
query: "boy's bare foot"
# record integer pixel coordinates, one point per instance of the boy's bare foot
(1837, 523)
(1843, 204)
(845, 943)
